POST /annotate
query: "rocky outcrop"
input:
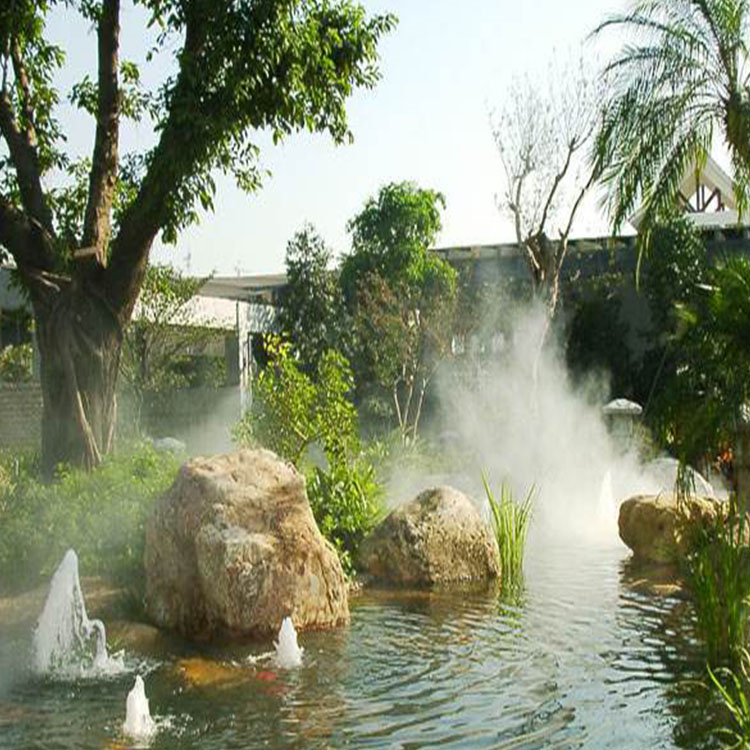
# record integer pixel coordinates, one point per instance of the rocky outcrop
(233, 548)
(439, 537)
(658, 528)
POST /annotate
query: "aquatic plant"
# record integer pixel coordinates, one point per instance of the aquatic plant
(510, 522)
(718, 574)
(733, 688)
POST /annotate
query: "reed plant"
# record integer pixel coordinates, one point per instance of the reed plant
(732, 686)
(718, 574)
(510, 523)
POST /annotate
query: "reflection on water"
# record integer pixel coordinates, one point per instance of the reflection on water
(583, 659)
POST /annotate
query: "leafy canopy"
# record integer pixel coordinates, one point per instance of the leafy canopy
(240, 67)
(312, 312)
(680, 82)
(391, 237)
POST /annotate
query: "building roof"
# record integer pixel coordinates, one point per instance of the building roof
(708, 195)
(257, 288)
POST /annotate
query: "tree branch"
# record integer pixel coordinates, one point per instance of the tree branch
(559, 177)
(103, 176)
(145, 216)
(28, 242)
(25, 159)
(19, 71)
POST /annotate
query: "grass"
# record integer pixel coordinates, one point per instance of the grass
(718, 574)
(732, 687)
(510, 522)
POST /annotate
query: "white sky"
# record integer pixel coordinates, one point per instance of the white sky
(444, 67)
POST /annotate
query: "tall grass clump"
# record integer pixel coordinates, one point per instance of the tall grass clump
(718, 575)
(510, 522)
(732, 686)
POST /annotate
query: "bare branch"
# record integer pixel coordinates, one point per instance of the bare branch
(97, 218)
(559, 177)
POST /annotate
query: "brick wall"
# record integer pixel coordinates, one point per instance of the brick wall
(20, 415)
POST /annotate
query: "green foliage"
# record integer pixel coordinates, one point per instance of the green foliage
(16, 363)
(299, 418)
(242, 67)
(312, 313)
(291, 411)
(510, 522)
(677, 82)
(733, 687)
(401, 297)
(391, 238)
(707, 366)
(718, 574)
(345, 500)
(100, 514)
(675, 267)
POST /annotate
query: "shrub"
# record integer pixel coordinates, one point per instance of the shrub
(296, 416)
(345, 500)
(101, 514)
(718, 574)
(510, 522)
(16, 363)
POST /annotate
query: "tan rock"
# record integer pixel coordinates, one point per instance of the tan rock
(439, 537)
(658, 528)
(233, 548)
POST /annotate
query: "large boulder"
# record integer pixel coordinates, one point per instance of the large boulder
(233, 548)
(439, 537)
(658, 528)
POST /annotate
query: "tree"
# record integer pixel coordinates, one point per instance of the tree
(680, 82)
(401, 297)
(82, 250)
(164, 332)
(312, 312)
(541, 136)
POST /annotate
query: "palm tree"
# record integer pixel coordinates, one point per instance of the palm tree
(681, 80)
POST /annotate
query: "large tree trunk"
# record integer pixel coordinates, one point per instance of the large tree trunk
(79, 341)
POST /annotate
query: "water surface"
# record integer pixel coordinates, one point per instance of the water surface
(582, 660)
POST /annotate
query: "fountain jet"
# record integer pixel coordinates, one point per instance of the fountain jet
(138, 722)
(288, 652)
(63, 635)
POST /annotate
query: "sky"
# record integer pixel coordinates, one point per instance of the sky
(445, 67)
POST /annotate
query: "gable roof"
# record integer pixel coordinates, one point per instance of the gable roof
(716, 184)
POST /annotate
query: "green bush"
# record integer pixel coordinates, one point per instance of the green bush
(345, 500)
(297, 415)
(101, 514)
(16, 363)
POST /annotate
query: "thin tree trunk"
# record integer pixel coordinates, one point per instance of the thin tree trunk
(80, 343)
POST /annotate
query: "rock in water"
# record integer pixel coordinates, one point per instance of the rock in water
(233, 548)
(439, 537)
(657, 528)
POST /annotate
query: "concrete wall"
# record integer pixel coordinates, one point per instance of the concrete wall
(202, 417)
(20, 415)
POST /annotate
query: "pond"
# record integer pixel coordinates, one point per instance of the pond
(585, 659)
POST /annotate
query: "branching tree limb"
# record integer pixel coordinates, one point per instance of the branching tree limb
(103, 177)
